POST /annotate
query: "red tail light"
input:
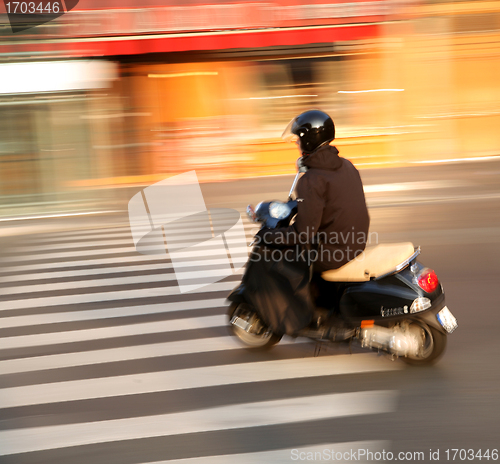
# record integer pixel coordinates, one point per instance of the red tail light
(428, 281)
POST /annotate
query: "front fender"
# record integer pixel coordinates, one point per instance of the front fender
(237, 294)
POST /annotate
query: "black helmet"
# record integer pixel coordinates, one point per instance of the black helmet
(311, 129)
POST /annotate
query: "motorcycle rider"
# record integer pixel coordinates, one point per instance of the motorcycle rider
(331, 225)
(331, 201)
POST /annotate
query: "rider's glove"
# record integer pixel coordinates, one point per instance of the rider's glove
(261, 237)
(300, 165)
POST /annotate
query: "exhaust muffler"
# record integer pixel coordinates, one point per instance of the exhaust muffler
(392, 340)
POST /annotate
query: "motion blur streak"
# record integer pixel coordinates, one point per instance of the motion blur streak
(412, 82)
(98, 346)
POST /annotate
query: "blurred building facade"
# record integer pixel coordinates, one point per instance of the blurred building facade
(185, 85)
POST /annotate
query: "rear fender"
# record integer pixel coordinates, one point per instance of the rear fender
(430, 316)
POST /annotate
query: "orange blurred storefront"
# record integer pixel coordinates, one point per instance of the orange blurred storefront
(211, 86)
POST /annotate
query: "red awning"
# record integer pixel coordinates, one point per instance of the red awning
(221, 40)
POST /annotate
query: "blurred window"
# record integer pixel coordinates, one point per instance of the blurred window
(43, 146)
(18, 149)
(476, 23)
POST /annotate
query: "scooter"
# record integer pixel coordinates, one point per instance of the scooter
(392, 302)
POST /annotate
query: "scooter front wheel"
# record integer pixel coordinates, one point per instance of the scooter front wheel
(431, 343)
(245, 323)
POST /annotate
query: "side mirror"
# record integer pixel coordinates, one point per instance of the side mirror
(251, 213)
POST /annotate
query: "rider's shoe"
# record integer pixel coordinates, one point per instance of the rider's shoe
(330, 333)
(339, 334)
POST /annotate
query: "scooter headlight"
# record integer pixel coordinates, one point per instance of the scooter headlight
(279, 210)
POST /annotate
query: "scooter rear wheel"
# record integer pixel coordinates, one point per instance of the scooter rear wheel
(431, 341)
(258, 337)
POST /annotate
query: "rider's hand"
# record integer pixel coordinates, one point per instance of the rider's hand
(300, 164)
(259, 236)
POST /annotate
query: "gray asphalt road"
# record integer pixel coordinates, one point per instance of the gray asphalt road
(103, 360)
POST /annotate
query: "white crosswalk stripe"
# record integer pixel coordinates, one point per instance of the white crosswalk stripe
(189, 378)
(117, 281)
(30, 267)
(221, 418)
(161, 360)
(109, 296)
(113, 240)
(90, 263)
(110, 313)
(59, 361)
(358, 451)
(208, 251)
(77, 275)
(110, 332)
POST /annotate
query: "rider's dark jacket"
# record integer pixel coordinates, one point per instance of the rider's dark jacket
(332, 217)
